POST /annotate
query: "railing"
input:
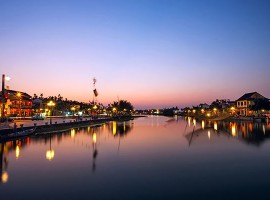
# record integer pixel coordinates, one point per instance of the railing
(21, 106)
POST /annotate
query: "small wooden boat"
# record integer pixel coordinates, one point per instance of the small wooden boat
(18, 134)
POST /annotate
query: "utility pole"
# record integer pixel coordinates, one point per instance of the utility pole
(3, 96)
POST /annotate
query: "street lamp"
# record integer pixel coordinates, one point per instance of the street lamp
(4, 78)
(51, 104)
(19, 96)
(73, 110)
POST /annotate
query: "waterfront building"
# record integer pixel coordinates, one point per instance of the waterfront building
(17, 104)
(244, 103)
(204, 106)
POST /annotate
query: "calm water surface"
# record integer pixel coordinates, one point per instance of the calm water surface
(148, 158)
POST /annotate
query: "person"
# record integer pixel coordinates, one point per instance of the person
(15, 126)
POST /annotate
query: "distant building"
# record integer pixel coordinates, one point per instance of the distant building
(244, 103)
(204, 106)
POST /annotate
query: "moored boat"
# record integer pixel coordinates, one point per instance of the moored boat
(18, 134)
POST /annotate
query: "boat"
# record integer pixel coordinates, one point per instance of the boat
(18, 134)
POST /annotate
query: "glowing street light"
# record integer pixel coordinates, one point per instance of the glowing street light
(51, 104)
(73, 110)
(7, 78)
(19, 96)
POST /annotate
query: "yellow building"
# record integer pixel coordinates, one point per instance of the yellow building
(17, 104)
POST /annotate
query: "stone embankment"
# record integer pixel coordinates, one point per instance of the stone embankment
(63, 126)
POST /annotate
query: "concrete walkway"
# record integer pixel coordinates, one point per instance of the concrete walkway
(29, 123)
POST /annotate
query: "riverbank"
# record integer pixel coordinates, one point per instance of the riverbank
(65, 125)
(228, 117)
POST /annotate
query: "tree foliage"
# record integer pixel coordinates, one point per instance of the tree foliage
(261, 104)
(122, 106)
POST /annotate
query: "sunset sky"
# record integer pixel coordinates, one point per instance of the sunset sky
(152, 53)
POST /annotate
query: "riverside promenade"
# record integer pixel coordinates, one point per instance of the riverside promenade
(57, 124)
(49, 125)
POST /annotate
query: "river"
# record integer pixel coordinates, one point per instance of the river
(151, 157)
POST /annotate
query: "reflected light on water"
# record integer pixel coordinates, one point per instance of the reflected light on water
(88, 129)
(203, 124)
(233, 130)
(50, 154)
(209, 135)
(4, 177)
(114, 128)
(263, 129)
(17, 151)
(250, 127)
(94, 138)
(189, 120)
(72, 133)
(194, 122)
(215, 126)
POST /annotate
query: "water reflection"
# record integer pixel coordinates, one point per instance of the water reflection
(150, 156)
(120, 128)
(248, 132)
(17, 151)
(95, 152)
(50, 151)
(72, 132)
(203, 124)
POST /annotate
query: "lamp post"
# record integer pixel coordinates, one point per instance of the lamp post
(19, 96)
(4, 78)
(51, 104)
(73, 111)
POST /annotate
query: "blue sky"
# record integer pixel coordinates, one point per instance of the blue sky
(153, 53)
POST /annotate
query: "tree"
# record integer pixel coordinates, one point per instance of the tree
(59, 98)
(122, 106)
(261, 104)
(215, 104)
(35, 96)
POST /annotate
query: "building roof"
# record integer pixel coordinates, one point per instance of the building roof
(12, 94)
(250, 96)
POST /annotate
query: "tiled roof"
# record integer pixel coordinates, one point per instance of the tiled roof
(248, 96)
(12, 94)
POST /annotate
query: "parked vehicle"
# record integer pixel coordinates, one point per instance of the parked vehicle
(37, 117)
